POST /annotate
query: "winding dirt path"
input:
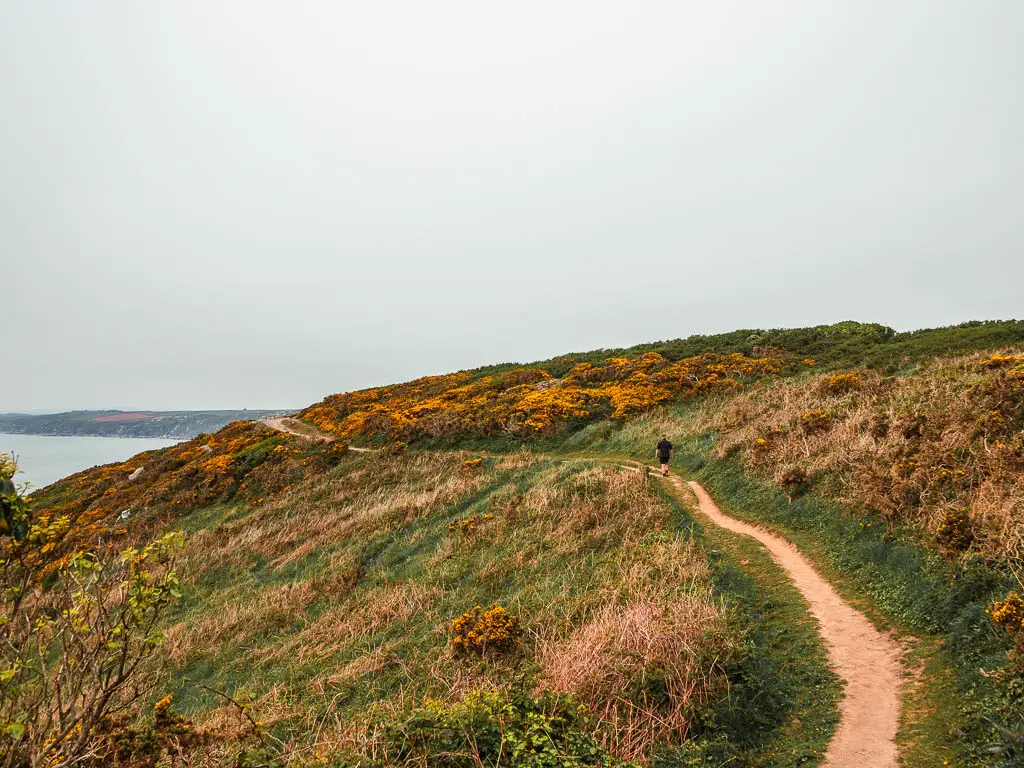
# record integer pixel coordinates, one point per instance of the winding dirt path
(292, 426)
(867, 660)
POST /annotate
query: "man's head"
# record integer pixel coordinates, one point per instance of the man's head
(664, 437)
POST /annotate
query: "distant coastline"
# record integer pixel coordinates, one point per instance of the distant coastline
(170, 425)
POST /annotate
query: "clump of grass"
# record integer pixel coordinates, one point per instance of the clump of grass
(640, 667)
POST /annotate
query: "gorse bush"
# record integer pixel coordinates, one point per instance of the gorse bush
(168, 736)
(478, 631)
(841, 383)
(529, 401)
(1008, 613)
(815, 421)
(954, 530)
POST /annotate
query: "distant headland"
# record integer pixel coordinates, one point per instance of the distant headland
(182, 425)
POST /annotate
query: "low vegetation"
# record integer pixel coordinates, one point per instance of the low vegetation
(941, 450)
(376, 608)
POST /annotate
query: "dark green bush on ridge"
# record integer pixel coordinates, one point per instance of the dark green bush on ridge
(841, 345)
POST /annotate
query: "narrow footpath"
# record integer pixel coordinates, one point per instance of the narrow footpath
(292, 426)
(867, 660)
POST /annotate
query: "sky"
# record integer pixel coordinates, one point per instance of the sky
(209, 204)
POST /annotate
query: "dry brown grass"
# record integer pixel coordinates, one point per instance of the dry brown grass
(240, 616)
(337, 507)
(914, 448)
(651, 652)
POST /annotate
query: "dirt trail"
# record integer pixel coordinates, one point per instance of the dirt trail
(292, 426)
(866, 659)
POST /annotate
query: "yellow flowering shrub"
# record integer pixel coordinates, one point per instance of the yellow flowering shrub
(478, 631)
(1001, 361)
(815, 421)
(1008, 612)
(954, 530)
(467, 526)
(528, 401)
(841, 383)
(470, 464)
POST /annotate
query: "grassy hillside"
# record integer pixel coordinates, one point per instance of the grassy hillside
(503, 591)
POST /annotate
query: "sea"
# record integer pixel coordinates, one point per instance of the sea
(44, 459)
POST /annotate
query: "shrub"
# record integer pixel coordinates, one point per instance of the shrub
(143, 746)
(815, 421)
(1008, 613)
(1000, 361)
(79, 627)
(478, 630)
(493, 728)
(794, 481)
(841, 383)
(954, 531)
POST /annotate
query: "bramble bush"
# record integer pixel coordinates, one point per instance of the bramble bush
(512, 730)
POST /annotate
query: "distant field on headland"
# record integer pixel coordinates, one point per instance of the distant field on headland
(175, 425)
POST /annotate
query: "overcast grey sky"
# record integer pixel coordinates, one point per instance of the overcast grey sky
(254, 204)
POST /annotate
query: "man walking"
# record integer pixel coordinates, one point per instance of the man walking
(664, 452)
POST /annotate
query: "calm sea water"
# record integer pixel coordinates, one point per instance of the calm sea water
(44, 459)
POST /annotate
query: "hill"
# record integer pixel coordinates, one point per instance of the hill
(495, 584)
(170, 424)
